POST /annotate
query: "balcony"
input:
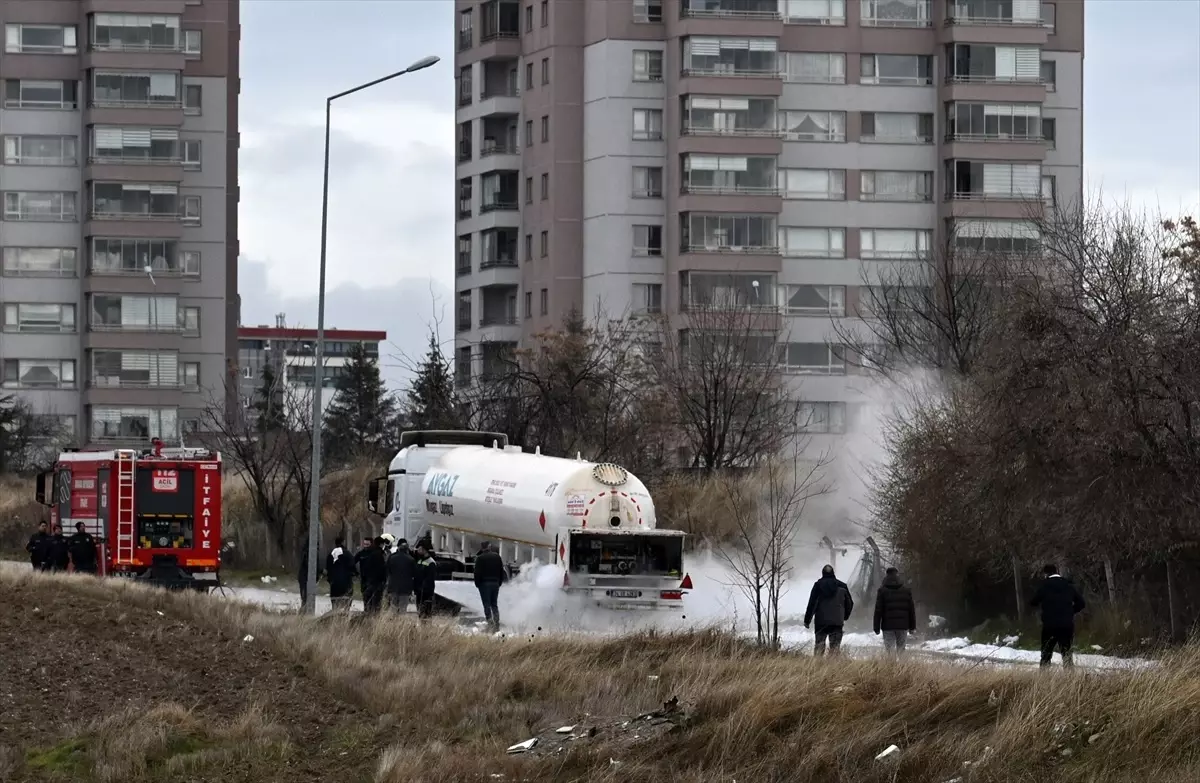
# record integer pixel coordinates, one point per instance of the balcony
(724, 233)
(499, 79)
(896, 13)
(499, 247)
(131, 90)
(121, 424)
(131, 257)
(968, 180)
(497, 359)
(981, 122)
(500, 19)
(134, 370)
(500, 192)
(129, 201)
(499, 138)
(725, 175)
(1003, 13)
(727, 116)
(124, 313)
(727, 291)
(726, 58)
(985, 64)
(730, 9)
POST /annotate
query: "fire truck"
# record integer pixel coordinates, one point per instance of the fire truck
(155, 513)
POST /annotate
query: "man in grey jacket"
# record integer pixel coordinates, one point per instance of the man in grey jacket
(830, 605)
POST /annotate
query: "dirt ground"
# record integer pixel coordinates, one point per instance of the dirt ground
(69, 659)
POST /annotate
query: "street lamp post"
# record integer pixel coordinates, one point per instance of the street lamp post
(314, 509)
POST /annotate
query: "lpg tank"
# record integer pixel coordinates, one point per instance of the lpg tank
(530, 498)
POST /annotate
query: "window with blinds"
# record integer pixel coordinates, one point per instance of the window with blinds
(819, 184)
(894, 242)
(1001, 236)
(140, 423)
(815, 67)
(1016, 121)
(135, 369)
(895, 186)
(976, 179)
(718, 56)
(813, 242)
(831, 12)
(137, 144)
(134, 313)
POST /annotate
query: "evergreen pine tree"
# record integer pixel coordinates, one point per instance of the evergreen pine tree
(361, 417)
(431, 401)
(268, 403)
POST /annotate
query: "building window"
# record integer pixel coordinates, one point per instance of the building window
(1003, 121)
(969, 179)
(41, 94)
(191, 154)
(545, 186)
(1048, 16)
(39, 374)
(545, 70)
(189, 263)
(528, 133)
(545, 243)
(40, 39)
(897, 128)
(40, 261)
(725, 233)
(1049, 190)
(647, 124)
(41, 150)
(40, 207)
(813, 358)
(529, 76)
(1049, 131)
(1049, 74)
(529, 18)
(896, 13)
(136, 145)
(730, 56)
(119, 256)
(193, 99)
(135, 33)
(730, 174)
(131, 313)
(545, 302)
(647, 11)
(990, 64)
(189, 320)
(28, 317)
(822, 418)
(529, 247)
(191, 209)
(817, 184)
(465, 198)
(813, 125)
(814, 300)
(529, 304)
(545, 13)
(831, 12)
(466, 32)
(529, 190)
(119, 89)
(647, 65)
(813, 242)
(904, 69)
(109, 423)
(647, 298)
(466, 92)
(647, 240)
(132, 199)
(191, 42)
(189, 375)
(462, 265)
(996, 236)
(815, 67)
(894, 243)
(896, 186)
(647, 181)
(545, 128)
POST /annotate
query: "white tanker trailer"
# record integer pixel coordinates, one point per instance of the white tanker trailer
(594, 520)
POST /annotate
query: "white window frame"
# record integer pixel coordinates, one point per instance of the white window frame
(189, 263)
(190, 209)
(916, 138)
(834, 120)
(835, 363)
(869, 181)
(189, 321)
(835, 184)
(13, 322)
(817, 12)
(13, 33)
(162, 422)
(647, 298)
(869, 238)
(870, 9)
(647, 124)
(14, 146)
(648, 11)
(835, 68)
(145, 22)
(648, 65)
(193, 41)
(642, 246)
(835, 296)
(68, 260)
(870, 62)
(65, 373)
(62, 104)
(835, 243)
(14, 208)
(193, 98)
(646, 188)
(821, 418)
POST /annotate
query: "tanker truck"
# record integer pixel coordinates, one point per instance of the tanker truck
(594, 521)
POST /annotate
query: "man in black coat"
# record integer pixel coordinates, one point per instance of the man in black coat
(339, 569)
(1059, 602)
(425, 578)
(38, 547)
(401, 571)
(372, 570)
(489, 575)
(83, 550)
(895, 612)
(830, 605)
(58, 556)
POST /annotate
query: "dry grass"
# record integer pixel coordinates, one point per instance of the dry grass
(454, 703)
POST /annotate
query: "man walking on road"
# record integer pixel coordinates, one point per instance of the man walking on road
(895, 612)
(1059, 602)
(401, 570)
(489, 575)
(38, 547)
(830, 605)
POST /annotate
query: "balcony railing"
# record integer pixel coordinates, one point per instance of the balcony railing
(139, 270)
(466, 39)
(167, 328)
(770, 250)
(462, 270)
(1001, 137)
(727, 13)
(978, 195)
(117, 382)
(698, 130)
(136, 103)
(495, 148)
(727, 307)
(509, 262)
(498, 320)
(956, 78)
(499, 205)
(493, 35)
(156, 217)
(731, 190)
(140, 46)
(967, 16)
(503, 91)
(119, 160)
(743, 73)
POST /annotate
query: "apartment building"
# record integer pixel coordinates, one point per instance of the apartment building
(629, 156)
(289, 353)
(119, 230)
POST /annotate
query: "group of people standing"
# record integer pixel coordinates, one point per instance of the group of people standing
(55, 552)
(400, 575)
(830, 605)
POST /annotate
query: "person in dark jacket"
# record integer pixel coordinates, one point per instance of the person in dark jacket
(372, 570)
(339, 569)
(401, 570)
(829, 605)
(1059, 602)
(38, 546)
(424, 581)
(82, 548)
(58, 556)
(489, 575)
(895, 612)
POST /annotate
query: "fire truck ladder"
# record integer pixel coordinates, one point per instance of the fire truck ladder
(126, 527)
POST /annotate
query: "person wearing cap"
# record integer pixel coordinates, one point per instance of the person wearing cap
(829, 604)
(895, 612)
(401, 570)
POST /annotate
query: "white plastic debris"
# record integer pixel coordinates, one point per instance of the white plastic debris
(247, 638)
(891, 750)
(266, 580)
(564, 729)
(160, 614)
(522, 747)
(1092, 739)
(613, 762)
(936, 621)
(1011, 639)
(652, 677)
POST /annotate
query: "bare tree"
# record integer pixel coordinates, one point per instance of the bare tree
(767, 508)
(28, 441)
(719, 369)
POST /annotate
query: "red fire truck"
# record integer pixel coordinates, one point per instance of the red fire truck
(155, 514)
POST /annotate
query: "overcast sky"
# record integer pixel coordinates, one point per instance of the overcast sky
(391, 227)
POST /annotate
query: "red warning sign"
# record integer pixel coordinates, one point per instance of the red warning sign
(164, 480)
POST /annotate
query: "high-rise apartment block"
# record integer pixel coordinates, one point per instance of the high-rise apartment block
(651, 155)
(119, 230)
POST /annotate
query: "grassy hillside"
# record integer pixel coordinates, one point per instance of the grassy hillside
(112, 682)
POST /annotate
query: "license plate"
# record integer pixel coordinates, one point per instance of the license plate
(625, 594)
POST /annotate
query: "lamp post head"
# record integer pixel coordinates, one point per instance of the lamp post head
(424, 62)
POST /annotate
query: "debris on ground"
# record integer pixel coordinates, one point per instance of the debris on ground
(612, 731)
(889, 751)
(523, 747)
